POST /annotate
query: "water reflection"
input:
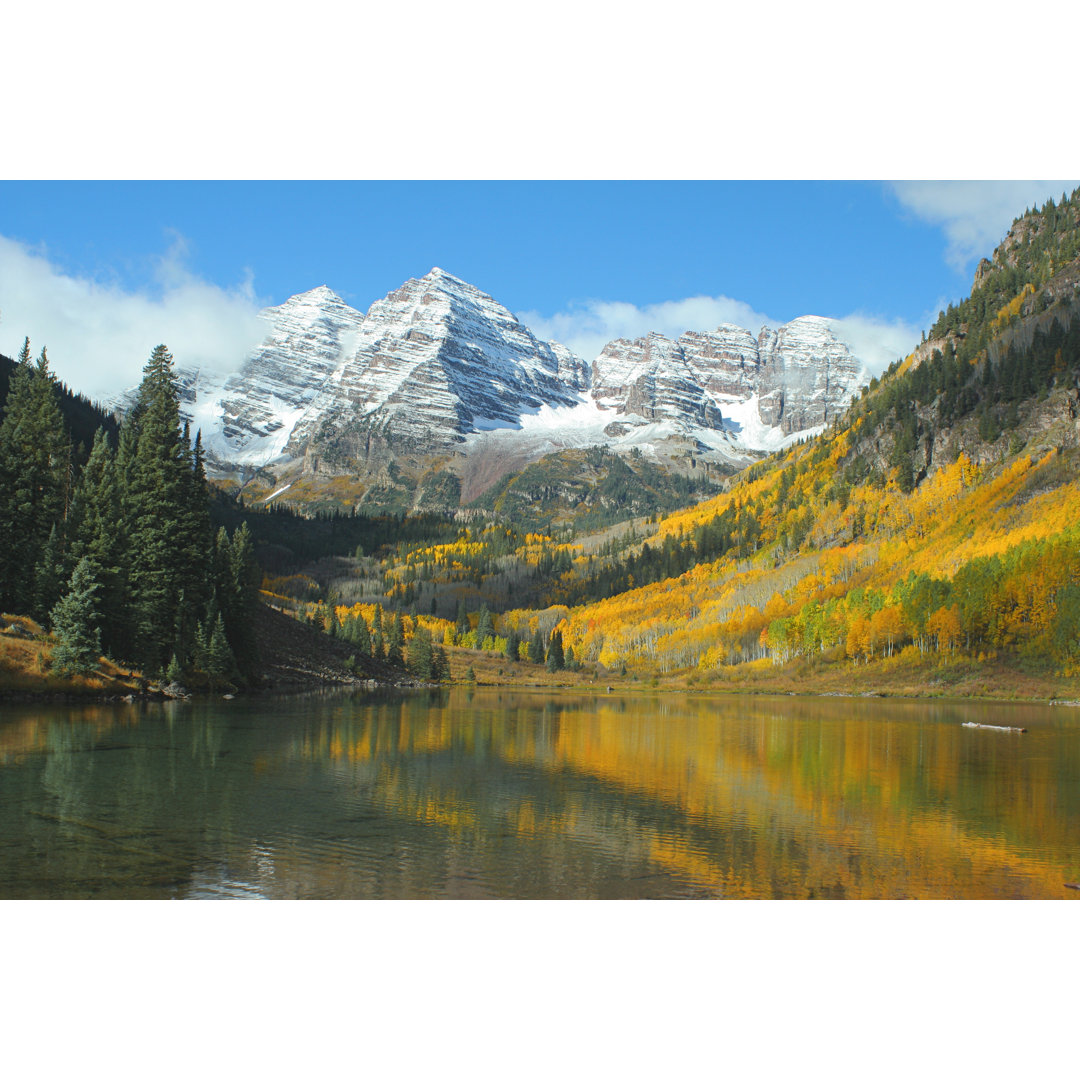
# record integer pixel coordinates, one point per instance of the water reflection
(514, 794)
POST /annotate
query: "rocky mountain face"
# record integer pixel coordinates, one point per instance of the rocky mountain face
(802, 375)
(436, 360)
(438, 366)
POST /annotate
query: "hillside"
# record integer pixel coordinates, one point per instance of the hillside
(927, 540)
(936, 518)
(81, 416)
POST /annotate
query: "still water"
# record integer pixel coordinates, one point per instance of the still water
(506, 793)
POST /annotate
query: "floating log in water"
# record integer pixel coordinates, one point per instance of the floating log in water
(994, 727)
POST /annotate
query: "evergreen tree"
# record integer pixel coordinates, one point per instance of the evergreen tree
(49, 577)
(513, 643)
(378, 640)
(74, 622)
(420, 653)
(220, 664)
(395, 641)
(34, 473)
(555, 658)
(241, 597)
(157, 514)
(485, 628)
(440, 663)
(201, 655)
(174, 673)
(536, 648)
(361, 636)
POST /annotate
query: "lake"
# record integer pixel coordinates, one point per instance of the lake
(504, 793)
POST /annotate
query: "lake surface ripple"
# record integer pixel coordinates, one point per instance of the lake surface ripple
(502, 793)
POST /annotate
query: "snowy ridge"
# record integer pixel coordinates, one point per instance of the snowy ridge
(247, 418)
(438, 358)
(438, 366)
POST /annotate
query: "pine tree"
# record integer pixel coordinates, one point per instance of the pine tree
(201, 653)
(220, 664)
(157, 514)
(35, 460)
(485, 628)
(174, 672)
(49, 577)
(513, 643)
(237, 579)
(74, 622)
(536, 648)
(395, 641)
(440, 663)
(555, 659)
(420, 653)
(361, 636)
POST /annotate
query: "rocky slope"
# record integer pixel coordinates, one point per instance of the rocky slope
(799, 377)
(435, 360)
(439, 371)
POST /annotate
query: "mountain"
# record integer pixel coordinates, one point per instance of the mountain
(438, 374)
(927, 539)
(283, 386)
(436, 360)
(925, 542)
(790, 380)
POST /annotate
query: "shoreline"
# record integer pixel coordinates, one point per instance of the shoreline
(590, 688)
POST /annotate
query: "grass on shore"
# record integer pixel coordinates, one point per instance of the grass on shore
(26, 666)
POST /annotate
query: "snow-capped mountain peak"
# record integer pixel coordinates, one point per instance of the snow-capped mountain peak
(437, 362)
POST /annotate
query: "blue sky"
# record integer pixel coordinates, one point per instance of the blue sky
(99, 272)
(787, 248)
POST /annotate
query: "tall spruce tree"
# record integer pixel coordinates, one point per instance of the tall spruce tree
(96, 535)
(35, 458)
(485, 628)
(556, 660)
(378, 645)
(165, 515)
(395, 641)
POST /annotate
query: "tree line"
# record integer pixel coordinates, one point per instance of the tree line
(118, 556)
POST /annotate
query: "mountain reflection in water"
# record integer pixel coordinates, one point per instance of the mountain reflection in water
(504, 793)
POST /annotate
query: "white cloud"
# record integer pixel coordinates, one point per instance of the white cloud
(975, 215)
(100, 336)
(587, 327)
(876, 342)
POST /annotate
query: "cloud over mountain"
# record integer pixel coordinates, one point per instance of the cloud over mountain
(99, 335)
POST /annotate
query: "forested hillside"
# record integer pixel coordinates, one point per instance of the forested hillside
(937, 516)
(932, 526)
(114, 552)
(934, 523)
